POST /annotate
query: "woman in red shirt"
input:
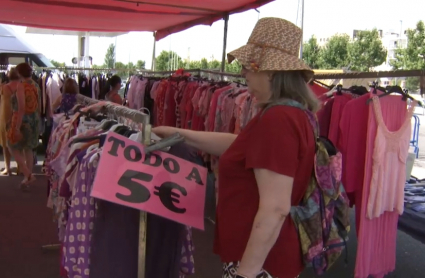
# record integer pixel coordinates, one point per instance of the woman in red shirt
(265, 169)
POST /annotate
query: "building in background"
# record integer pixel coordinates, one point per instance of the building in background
(391, 41)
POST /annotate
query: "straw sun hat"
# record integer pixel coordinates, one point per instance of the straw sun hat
(274, 45)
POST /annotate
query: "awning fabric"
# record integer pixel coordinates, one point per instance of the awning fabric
(164, 16)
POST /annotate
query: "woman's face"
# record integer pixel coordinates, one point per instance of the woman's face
(258, 84)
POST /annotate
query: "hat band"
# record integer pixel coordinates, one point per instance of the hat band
(255, 65)
(263, 45)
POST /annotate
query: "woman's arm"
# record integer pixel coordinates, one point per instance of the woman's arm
(215, 143)
(57, 103)
(20, 95)
(275, 203)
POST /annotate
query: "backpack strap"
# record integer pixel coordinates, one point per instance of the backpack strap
(290, 102)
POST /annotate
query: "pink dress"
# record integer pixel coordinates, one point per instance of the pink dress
(389, 164)
(376, 249)
(337, 108)
(352, 144)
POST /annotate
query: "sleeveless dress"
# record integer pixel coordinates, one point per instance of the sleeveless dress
(27, 138)
(389, 164)
(5, 114)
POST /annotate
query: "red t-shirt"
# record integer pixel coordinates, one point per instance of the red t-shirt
(281, 140)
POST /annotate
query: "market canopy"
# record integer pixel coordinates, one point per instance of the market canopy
(164, 16)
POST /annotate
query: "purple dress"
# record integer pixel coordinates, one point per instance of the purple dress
(76, 247)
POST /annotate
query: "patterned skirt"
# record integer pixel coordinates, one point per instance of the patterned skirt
(27, 136)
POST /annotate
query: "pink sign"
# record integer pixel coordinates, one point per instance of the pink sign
(157, 183)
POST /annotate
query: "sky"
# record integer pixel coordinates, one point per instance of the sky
(322, 18)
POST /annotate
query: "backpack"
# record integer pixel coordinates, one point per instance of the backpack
(322, 218)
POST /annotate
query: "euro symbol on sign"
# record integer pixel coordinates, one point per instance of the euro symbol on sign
(168, 197)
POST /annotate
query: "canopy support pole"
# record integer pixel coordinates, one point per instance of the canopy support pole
(154, 52)
(223, 58)
(302, 29)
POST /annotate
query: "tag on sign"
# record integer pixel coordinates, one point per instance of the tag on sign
(157, 183)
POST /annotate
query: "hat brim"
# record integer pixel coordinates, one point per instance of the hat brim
(271, 60)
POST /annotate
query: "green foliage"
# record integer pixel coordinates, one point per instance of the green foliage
(413, 56)
(204, 64)
(214, 65)
(334, 54)
(234, 67)
(194, 65)
(140, 64)
(366, 51)
(110, 57)
(312, 53)
(57, 64)
(412, 83)
(162, 62)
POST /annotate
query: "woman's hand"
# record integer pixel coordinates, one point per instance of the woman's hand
(164, 131)
(215, 143)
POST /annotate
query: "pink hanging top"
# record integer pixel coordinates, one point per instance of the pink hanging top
(389, 164)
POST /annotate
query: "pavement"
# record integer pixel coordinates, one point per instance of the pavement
(26, 225)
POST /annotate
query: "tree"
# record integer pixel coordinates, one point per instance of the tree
(57, 64)
(366, 51)
(214, 64)
(110, 56)
(140, 64)
(162, 61)
(119, 65)
(234, 67)
(204, 64)
(413, 56)
(194, 65)
(335, 54)
(311, 53)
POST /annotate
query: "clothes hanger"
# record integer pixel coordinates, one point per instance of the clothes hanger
(165, 143)
(358, 90)
(339, 89)
(396, 90)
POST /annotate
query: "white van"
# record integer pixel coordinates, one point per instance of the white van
(15, 50)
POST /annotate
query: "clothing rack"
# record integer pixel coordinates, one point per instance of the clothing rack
(138, 117)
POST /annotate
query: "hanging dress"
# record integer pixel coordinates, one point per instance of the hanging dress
(389, 164)
(5, 114)
(377, 237)
(27, 137)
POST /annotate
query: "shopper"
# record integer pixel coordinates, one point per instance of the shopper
(110, 93)
(265, 169)
(68, 99)
(23, 129)
(6, 92)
